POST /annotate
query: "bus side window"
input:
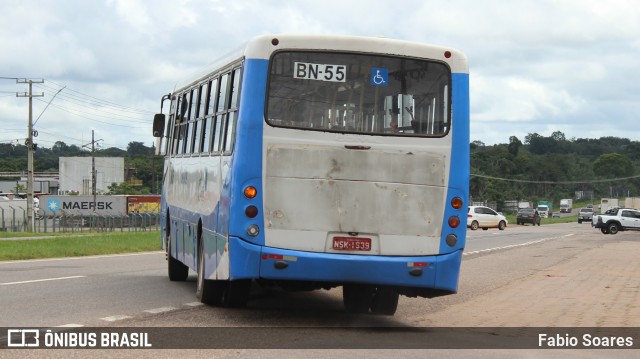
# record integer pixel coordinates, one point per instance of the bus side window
(221, 107)
(169, 129)
(233, 111)
(195, 141)
(217, 135)
(222, 94)
(235, 89)
(178, 120)
(211, 112)
(231, 125)
(202, 114)
(184, 122)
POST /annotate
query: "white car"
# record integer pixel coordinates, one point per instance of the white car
(485, 218)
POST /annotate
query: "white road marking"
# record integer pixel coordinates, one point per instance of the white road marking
(160, 310)
(84, 257)
(115, 318)
(516, 245)
(43, 280)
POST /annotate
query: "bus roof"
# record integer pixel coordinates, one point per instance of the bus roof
(261, 47)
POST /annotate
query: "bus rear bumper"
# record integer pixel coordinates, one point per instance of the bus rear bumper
(438, 272)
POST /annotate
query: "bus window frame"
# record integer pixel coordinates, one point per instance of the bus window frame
(194, 119)
(446, 121)
(194, 133)
(232, 109)
(202, 117)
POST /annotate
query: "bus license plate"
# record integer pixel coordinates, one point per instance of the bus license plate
(351, 244)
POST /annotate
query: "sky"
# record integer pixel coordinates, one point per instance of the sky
(536, 66)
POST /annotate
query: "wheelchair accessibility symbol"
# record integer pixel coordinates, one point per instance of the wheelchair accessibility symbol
(379, 76)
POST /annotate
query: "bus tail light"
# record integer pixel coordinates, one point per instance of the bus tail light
(451, 240)
(454, 221)
(250, 192)
(456, 202)
(251, 211)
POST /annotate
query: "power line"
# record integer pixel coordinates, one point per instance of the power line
(82, 101)
(84, 115)
(104, 101)
(45, 108)
(555, 182)
(100, 113)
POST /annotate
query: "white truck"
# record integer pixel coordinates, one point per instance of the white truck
(544, 208)
(632, 202)
(618, 219)
(566, 205)
(608, 203)
(524, 204)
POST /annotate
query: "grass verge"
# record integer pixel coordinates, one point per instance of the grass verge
(84, 245)
(568, 219)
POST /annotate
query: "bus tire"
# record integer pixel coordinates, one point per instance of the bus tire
(208, 291)
(385, 301)
(357, 298)
(235, 293)
(178, 272)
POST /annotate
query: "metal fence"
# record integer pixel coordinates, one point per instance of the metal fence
(15, 220)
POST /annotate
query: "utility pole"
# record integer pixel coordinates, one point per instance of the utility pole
(94, 174)
(30, 149)
(93, 170)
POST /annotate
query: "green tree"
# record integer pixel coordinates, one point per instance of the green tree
(613, 165)
(125, 188)
(135, 149)
(19, 188)
(514, 145)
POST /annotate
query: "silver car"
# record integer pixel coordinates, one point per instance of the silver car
(585, 215)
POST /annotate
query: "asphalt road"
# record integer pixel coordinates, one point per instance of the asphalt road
(86, 290)
(504, 274)
(91, 291)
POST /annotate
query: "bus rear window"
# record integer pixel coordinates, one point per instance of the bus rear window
(357, 93)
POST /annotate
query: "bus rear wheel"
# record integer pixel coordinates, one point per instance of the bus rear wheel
(385, 301)
(357, 298)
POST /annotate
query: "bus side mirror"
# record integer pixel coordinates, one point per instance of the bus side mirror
(158, 125)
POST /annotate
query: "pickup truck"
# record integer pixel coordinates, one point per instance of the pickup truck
(618, 219)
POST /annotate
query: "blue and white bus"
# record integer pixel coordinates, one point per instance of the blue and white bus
(315, 162)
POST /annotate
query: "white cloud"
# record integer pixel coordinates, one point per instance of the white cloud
(536, 66)
(518, 99)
